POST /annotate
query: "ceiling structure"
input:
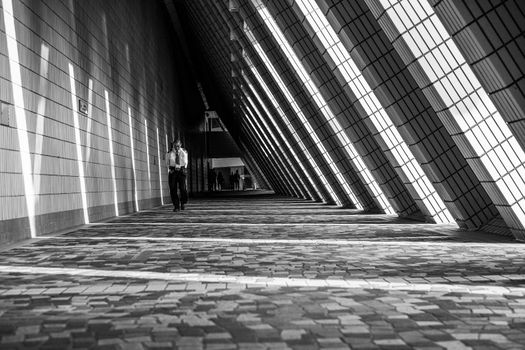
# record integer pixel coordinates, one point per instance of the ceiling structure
(405, 107)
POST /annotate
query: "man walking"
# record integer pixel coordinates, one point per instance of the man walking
(177, 161)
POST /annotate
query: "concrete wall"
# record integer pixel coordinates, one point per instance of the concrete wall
(68, 70)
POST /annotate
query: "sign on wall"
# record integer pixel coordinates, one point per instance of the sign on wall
(82, 106)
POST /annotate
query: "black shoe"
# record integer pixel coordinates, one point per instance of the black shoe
(176, 209)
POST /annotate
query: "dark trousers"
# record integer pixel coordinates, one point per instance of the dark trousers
(177, 181)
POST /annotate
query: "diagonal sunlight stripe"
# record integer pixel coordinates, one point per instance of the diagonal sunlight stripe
(40, 120)
(249, 131)
(298, 112)
(270, 132)
(20, 110)
(484, 136)
(359, 166)
(271, 150)
(78, 142)
(160, 169)
(277, 211)
(178, 223)
(374, 110)
(111, 153)
(399, 241)
(269, 281)
(132, 145)
(147, 152)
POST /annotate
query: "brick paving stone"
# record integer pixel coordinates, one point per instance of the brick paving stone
(132, 346)
(359, 281)
(221, 346)
(250, 346)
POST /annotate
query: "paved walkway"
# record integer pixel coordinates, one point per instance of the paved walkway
(263, 272)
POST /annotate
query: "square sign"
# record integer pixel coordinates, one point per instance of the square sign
(82, 106)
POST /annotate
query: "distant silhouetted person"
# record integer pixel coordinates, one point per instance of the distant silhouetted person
(213, 180)
(177, 161)
(210, 181)
(220, 181)
(231, 180)
(236, 179)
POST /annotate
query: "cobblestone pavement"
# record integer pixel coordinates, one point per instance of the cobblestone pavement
(263, 272)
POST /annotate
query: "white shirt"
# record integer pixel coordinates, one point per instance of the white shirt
(172, 156)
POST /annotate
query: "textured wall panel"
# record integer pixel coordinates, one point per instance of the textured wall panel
(409, 109)
(121, 48)
(491, 37)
